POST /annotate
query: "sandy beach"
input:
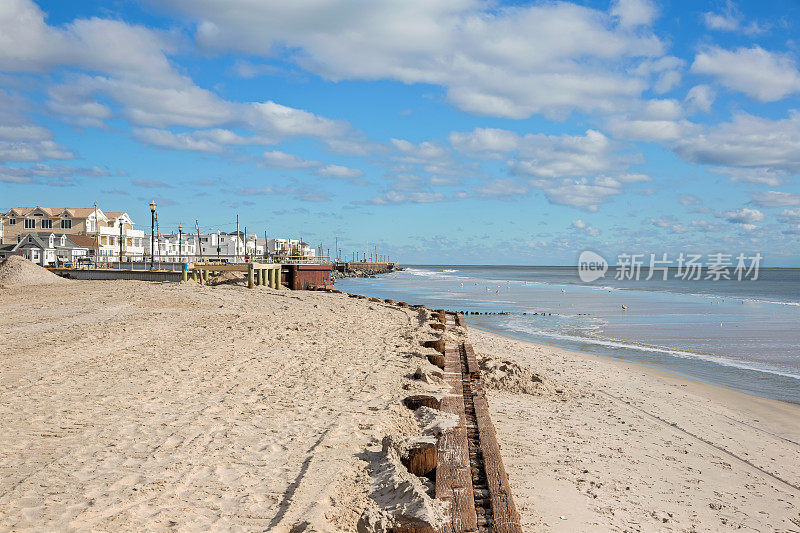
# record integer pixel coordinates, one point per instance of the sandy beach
(624, 447)
(137, 406)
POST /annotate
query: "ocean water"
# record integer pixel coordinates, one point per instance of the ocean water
(744, 335)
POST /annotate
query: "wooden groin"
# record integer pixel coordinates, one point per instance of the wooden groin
(470, 474)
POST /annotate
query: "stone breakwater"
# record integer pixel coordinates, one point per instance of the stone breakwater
(354, 270)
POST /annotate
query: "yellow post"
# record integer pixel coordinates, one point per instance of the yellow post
(194, 274)
(263, 276)
(184, 272)
(250, 281)
(278, 277)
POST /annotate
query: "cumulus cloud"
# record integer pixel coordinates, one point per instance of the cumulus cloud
(129, 65)
(765, 76)
(585, 228)
(509, 61)
(744, 215)
(491, 143)
(746, 141)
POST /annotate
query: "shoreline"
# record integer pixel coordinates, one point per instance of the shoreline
(653, 368)
(632, 447)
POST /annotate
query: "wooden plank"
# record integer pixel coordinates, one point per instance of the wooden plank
(460, 320)
(472, 362)
(453, 473)
(505, 516)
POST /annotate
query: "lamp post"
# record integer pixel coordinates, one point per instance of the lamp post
(180, 242)
(152, 234)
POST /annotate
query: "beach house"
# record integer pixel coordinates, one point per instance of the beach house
(113, 231)
(48, 249)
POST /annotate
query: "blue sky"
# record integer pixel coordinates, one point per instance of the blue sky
(439, 131)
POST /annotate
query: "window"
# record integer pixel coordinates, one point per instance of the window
(66, 223)
(12, 221)
(47, 224)
(30, 223)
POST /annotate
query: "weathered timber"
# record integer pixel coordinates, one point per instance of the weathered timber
(389, 301)
(437, 345)
(472, 363)
(460, 320)
(402, 304)
(420, 458)
(421, 400)
(505, 518)
(438, 326)
(437, 360)
(453, 473)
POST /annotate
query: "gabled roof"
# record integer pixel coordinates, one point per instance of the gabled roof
(77, 212)
(82, 241)
(32, 238)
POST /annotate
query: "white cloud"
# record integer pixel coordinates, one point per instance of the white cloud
(632, 13)
(744, 215)
(341, 172)
(730, 19)
(551, 156)
(509, 61)
(700, 98)
(760, 176)
(765, 76)
(746, 141)
(790, 216)
(277, 159)
(485, 142)
(213, 140)
(775, 199)
(395, 197)
(585, 228)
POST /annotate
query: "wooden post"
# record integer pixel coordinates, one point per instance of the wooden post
(258, 276)
(194, 274)
(250, 281)
(184, 273)
(199, 246)
(278, 274)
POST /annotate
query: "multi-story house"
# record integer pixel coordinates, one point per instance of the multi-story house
(110, 229)
(172, 247)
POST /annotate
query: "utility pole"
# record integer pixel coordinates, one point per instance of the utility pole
(199, 248)
(266, 246)
(158, 242)
(236, 243)
(245, 243)
(96, 235)
(337, 249)
(120, 245)
(152, 234)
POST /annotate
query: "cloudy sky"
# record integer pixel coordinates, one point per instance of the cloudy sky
(438, 130)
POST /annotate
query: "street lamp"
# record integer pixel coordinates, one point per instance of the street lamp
(180, 242)
(152, 234)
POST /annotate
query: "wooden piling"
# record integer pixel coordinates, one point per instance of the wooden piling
(194, 274)
(184, 273)
(421, 400)
(250, 280)
(420, 459)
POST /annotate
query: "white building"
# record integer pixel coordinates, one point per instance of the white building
(172, 247)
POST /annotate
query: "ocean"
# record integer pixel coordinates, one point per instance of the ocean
(744, 335)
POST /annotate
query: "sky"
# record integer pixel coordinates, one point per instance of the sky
(438, 131)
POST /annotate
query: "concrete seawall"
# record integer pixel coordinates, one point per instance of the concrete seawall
(103, 274)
